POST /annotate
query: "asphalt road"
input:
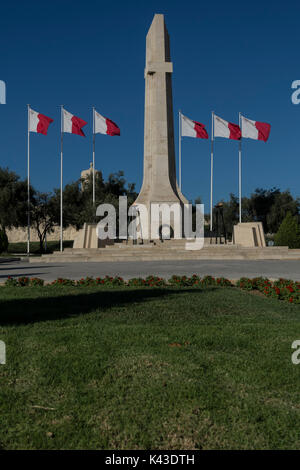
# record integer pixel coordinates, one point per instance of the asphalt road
(230, 269)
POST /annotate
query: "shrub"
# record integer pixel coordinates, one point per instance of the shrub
(288, 233)
(113, 281)
(208, 281)
(181, 281)
(223, 282)
(150, 281)
(11, 282)
(3, 241)
(246, 283)
(283, 289)
(196, 281)
(23, 281)
(106, 281)
(63, 282)
(88, 281)
(36, 281)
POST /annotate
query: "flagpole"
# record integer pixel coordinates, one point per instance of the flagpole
(211, 170)
(240, 174)
(94, 156)
(180, 150)
(28, 180)
(61, 180)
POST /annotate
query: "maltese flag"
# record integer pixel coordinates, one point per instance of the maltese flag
(104, 125)
(72, 124)
(226, 129)
(38, 122)
(254, 129)
(191, 128)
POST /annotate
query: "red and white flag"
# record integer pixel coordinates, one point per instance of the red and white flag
(254, 129)
(72, 124)
(191, 128)
(103, 125)
(38, 122)
(226, 129)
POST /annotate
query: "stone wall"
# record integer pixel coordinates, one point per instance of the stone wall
(20, 234)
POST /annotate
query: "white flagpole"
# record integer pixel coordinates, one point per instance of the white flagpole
(240, 174)
(61, 179)
(94, 156)
(28, 180)
(211, 170)
(180, 150)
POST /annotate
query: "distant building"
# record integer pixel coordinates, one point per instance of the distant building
(85, 174)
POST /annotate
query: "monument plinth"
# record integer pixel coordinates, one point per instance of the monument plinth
(159, 181)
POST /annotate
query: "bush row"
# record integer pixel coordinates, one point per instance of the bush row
(283, 289)
(150, 281)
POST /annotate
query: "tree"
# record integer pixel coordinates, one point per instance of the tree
(288, 233)
(13, 200)
(3, 241)
(283, 203)
(268, 206)
(43, 216)
(260, 204)
(78, 202)
(231, 213)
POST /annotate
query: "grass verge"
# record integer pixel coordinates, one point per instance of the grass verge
(140, 368)
(21, 247)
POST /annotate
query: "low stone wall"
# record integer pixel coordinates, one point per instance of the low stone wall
(20, 234)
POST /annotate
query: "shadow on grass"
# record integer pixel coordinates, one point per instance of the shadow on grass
(29, 310)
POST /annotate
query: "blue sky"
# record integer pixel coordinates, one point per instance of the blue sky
(227, 56)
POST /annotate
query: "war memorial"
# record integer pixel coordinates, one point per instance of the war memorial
(152, 339)
(160, 187)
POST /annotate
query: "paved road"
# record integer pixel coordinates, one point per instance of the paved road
(230, 269)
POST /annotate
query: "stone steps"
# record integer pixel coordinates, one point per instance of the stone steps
(157, 249)
(157, 253)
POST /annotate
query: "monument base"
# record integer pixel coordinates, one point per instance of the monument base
(168, 250)
(249, 234)
(87, 238)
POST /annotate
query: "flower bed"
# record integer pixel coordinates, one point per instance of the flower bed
(195, 280)
(150, 281)
(283, 289)
(24, 281)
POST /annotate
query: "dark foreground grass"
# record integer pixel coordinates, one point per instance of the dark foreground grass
(94, 368)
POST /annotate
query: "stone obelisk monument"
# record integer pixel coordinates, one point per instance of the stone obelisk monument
(159, 183)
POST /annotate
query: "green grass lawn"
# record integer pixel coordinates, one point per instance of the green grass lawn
(21, 247)
(95, 368)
